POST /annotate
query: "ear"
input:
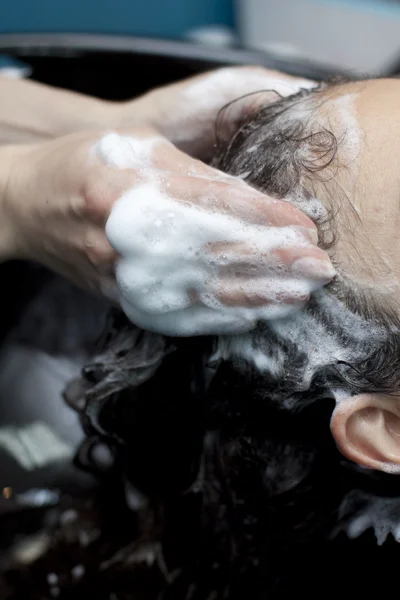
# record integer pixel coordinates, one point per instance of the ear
(366, 429)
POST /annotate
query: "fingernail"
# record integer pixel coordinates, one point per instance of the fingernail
(314, 268)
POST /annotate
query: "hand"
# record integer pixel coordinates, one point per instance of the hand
(199, 251)
(186, 112)
(49, 214)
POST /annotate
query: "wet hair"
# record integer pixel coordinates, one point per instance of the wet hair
(222, 479)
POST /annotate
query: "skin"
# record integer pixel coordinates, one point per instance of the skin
(46, 184)
(52, 112)
(56, 197)
(60, 196)
(363, 190)
(370, 218)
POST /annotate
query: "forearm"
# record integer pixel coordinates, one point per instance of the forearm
(31, 111)
(11, 163)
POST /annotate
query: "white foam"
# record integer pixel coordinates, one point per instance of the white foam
(267, 360)
(243, 175)
(338, 114)
(345, 113)
(254, 148)
(164, 256)
(377, 513)
(313, 339)
(201, 100)
(166, 260)
(312, 207)
(124, 152)
(225, 84)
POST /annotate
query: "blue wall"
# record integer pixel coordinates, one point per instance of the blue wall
(162, 18)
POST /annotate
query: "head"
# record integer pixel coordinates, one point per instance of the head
(333, 152)
(231, 449)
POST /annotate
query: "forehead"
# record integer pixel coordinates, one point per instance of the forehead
(365, 189)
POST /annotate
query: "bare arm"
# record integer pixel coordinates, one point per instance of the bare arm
(59, 195)
(184, 112)
(32, 112)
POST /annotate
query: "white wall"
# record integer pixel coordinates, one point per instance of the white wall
(360, 35)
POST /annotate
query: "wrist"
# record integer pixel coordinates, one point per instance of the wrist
(89, 114)
(50, 112)
(141, 112)
(11, 162)
(78, 114)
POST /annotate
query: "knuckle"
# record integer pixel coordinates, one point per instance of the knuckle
(100, 253)
(94, 191)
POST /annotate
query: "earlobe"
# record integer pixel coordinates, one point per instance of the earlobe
(366, 429)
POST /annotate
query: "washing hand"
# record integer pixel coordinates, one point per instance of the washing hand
(196, 251)
(187, 112)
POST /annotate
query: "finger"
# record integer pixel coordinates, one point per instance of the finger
(142, 148)
(262, 292)
(236, 199)
(142, 162)
(103, 187)
(307, 261)
(99, 252)
(221, 195)
(149, 150)
(199, 184)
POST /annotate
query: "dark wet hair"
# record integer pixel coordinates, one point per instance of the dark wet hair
(230, 475)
